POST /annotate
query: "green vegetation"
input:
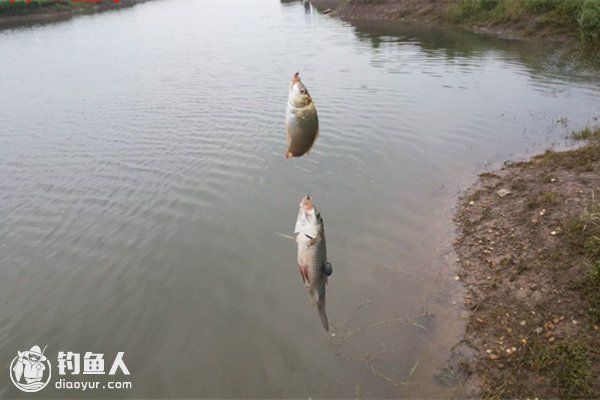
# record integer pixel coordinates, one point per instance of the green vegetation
(589, 21)
(565, 16)
(546, 199)
(570, 363)
(566, 366)
(519, 184)
(581, 159)
(587, 135)
(8, 8)
(591, 289)
(20, 7)
(24, 7)
(583, 233)
(556, 330)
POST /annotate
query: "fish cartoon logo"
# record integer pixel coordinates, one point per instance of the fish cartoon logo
(30, 371)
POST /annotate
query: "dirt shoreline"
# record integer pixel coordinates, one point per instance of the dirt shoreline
(45, 15)
(532, 330)
(435, 12)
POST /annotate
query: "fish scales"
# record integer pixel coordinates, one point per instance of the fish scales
(301, 120)
(312, 255)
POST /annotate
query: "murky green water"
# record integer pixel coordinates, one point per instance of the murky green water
(142, 184)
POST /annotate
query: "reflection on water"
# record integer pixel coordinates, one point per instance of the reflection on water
(541, 58)
(143, 184)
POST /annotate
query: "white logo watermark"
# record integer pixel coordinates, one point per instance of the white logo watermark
(31, 371)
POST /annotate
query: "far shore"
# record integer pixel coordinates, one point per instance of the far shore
(40, 15)
(508, 20)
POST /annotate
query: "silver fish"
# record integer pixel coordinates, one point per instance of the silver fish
(301, 120)
(312, 255)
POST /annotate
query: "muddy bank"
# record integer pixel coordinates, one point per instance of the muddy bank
(441, 12)
(529, 254)
(406, 10)
(24, 14)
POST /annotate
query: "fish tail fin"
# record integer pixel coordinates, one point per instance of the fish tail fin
(323, 315)
(318, 297)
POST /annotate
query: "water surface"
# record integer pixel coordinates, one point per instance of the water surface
(142, 184)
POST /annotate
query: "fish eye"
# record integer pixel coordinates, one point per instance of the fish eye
(303, 91)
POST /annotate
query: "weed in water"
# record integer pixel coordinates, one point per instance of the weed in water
(586, 135)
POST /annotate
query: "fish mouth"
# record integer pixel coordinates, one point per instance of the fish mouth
(296, 78)
(307, 209)
(307, 203)
(298, 96)
(308, 220)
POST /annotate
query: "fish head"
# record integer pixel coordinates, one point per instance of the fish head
(309, 221)
(298, 96)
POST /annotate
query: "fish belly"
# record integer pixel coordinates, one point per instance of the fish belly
(314, 257)
(302, 127)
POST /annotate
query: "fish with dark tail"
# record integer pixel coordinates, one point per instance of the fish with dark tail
(301, 120)
(312, 255)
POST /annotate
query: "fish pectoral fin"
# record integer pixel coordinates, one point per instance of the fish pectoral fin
(301, 274)
(304, 274)
(286, 236)
(311, 240)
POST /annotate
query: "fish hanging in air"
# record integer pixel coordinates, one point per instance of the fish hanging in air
(301, 120)
(312, 255)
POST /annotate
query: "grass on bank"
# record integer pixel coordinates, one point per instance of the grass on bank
(581, 159)
(568, 364)
(586, 135)
(583, 233)
(23, 7)
(581, 16)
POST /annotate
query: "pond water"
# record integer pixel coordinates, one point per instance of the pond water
(142, 187)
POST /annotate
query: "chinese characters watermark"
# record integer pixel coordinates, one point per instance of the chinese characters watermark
(31, 371)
